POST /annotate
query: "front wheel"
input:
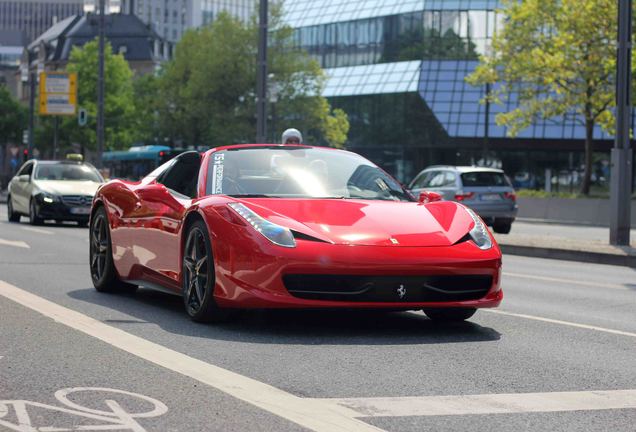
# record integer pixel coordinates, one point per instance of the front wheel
(34, 216)
(103, 272)
(450, 314)
(198, 277)
(13, 215)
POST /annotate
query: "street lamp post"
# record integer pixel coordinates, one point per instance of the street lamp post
(621, 182)
(100, 86)
(261, 77)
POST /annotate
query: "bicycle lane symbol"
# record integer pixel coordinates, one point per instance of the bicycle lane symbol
(115, 419)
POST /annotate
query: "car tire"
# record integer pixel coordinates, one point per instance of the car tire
(450, 314)
(102, 267)
(13, 215)
(197, 276)
(34, 218)
(502, 227)
(82, 224)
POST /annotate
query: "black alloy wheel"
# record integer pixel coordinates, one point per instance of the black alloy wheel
(450, 314)
(103, 272)
(198, 277)
(13, 216)
(34, 217)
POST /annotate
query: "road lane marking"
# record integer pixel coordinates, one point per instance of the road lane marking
(560, 322)
(567, 281)
(312, 414)
(19, 244)
(37, 230)
(117, 418)
(489, 403)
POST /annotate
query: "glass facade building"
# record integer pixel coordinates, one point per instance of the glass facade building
(171, 18)
(34, 17)
(398, 68)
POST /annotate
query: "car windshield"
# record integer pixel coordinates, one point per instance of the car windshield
(299, 172)
(483, 178)
(67, 171)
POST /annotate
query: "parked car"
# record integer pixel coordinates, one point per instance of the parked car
(290, 226)
(58, 190)
(485, 190)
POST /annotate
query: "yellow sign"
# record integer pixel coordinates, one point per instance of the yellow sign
(58, 93)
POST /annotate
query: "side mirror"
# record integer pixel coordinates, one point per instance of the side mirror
(429, 197)
(24, 178)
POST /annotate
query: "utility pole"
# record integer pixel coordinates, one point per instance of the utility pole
(100, 86)
(621, 182)
(32, 81)
(261, 77)
(486, 125)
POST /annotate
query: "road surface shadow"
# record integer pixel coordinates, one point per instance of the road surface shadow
(311, 327)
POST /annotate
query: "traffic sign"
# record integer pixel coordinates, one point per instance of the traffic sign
(58, 93)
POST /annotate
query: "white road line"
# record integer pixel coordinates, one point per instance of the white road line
(489, 403)
(312, 414)
(18, 243)
(37, 230)
(565, 323)
(567, 281)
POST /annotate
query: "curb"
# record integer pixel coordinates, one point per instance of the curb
(570, 255)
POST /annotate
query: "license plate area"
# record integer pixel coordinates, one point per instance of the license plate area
(490, 197)
(80, 210)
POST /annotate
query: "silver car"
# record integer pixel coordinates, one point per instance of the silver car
(486, 190)
(59, 190)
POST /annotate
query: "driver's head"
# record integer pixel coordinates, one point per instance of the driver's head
(292, 136)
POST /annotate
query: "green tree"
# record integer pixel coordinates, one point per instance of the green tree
(13, 118)
(119, 102)
(558, 56)
(209, 87)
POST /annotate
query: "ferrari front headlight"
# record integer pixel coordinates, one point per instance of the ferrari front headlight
(277, 234)
(479, 234)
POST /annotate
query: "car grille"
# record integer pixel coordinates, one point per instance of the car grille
(354, 288)
(77, 200)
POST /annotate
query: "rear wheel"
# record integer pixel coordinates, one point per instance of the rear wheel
(198, 277)
(34, 216)
(502, 226)
(103, 272)
(450, 315)
(13, 215)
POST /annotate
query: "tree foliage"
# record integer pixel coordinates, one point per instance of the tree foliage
(558, 56)
(13, 118)
(209, 87)
(121, 127)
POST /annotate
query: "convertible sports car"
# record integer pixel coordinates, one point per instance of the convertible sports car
(290, 226)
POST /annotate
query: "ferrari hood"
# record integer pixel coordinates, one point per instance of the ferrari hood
(67, 187)
(369, 223)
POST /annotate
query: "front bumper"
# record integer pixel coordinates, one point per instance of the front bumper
(249, 278)
(58, 210)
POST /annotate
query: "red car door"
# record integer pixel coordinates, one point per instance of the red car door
(159, 216)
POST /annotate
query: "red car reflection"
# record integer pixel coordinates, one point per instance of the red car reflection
(272, 226)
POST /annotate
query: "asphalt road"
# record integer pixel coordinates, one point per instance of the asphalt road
(560, 354)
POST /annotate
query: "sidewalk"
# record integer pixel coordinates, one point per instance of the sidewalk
(566, 242)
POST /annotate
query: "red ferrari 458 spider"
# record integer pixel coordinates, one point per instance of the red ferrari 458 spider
(280, 226)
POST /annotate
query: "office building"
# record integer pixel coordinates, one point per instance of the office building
(398, 68)
(171, 18)
(34, 17)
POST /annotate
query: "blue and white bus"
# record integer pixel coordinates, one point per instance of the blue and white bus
(136, 162)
